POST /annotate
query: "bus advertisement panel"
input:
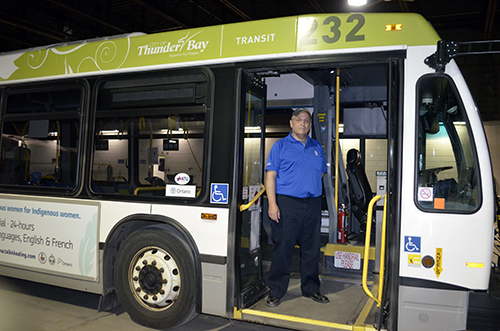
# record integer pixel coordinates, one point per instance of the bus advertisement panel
(52, 237)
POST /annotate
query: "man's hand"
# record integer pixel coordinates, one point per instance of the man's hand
(274, 212)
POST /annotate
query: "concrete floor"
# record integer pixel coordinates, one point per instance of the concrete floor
(28, 306)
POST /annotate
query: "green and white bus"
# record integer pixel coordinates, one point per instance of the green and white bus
(132, 167)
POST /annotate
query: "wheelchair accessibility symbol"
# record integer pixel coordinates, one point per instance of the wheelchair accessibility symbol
(218, 193)
(412, 244)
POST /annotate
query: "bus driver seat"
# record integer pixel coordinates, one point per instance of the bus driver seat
(360, 192)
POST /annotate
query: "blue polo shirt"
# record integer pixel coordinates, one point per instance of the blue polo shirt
(299, 168)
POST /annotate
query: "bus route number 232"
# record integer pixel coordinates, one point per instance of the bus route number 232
(333, 32)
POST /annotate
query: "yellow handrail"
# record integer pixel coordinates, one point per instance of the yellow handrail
(148, 188)
(337, 139)
(245, 207)
(367, 249)
(382, 252)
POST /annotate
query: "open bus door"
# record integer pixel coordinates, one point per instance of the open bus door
(370, 117)
(250, 283)
(375, 89)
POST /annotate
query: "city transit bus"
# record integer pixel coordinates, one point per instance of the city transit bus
(132, 167)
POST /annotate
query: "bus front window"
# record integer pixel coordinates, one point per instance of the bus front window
(446, 167)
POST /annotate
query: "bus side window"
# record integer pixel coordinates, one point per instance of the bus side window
(141, 155)
(40, 137)
(149, 136)
(446, 166)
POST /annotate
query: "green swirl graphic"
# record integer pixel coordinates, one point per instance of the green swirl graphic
(87, 254)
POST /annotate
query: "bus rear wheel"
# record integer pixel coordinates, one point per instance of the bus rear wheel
(155, 278)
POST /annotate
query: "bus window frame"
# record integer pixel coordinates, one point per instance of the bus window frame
(79, 113)
(461, 105)
(206, 108)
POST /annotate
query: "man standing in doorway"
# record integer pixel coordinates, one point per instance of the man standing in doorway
(294, 170)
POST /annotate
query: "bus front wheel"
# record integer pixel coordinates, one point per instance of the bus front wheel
(155, 278)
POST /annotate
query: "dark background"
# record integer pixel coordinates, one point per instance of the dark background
(31, 23)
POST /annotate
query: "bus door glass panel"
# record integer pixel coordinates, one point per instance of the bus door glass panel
(252, 184)
(252, 106)
(447, 171)
(375, 160)
(40, 138)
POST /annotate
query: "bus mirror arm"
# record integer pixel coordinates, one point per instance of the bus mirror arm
(446, 50)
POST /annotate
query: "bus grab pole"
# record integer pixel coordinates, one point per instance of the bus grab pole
(337, 112)
(367, 250)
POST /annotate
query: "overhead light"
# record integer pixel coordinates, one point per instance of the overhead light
(109, 132)
(180, 131)
(357, 3)
(252, 129)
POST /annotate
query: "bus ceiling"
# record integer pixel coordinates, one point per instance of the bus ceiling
(363, 85)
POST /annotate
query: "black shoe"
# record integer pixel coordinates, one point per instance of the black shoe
(318, 297)
(272, 301)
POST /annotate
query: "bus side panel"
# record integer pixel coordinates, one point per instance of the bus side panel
(432, 309)
(214, 288)
(55, 280)
(479, 230)
(112, 212)
(457, 238)
(52, 236)
(211, 237)
(458, 243)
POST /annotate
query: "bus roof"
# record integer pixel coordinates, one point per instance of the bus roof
(223, 43)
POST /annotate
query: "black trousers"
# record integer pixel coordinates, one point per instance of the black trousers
(300, 222)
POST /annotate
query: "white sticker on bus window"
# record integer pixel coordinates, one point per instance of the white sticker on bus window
(182, 178)
(425, 194)
(180, 191)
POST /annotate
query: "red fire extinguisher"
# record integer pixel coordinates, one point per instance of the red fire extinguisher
(342, 225)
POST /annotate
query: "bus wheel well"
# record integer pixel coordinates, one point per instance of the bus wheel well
(117, 237)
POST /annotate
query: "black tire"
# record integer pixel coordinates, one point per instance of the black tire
(151, 296)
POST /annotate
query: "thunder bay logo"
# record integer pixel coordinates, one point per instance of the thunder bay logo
(187, 43)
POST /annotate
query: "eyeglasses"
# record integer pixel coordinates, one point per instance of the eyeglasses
(305, 121)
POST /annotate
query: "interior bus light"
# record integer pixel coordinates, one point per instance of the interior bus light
(394, 27)
(109, 132)
(180, 131)
(252, 129)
